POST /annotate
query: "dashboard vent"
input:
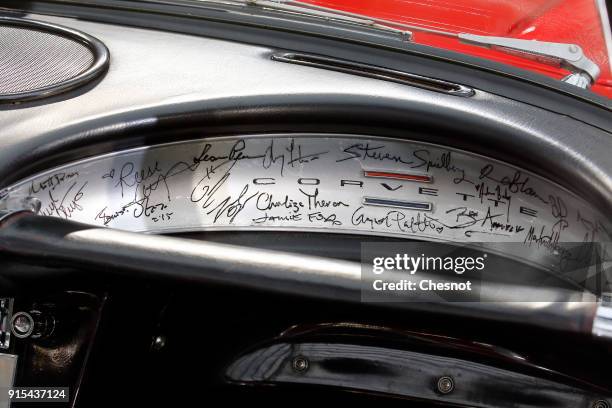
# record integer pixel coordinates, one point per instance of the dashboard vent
(38, 59)
(375, 72)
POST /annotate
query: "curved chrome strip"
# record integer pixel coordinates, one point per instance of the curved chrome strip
(371, 71)
(602, 325)
(99, 65)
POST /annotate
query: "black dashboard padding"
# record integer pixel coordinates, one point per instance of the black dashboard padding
(103, 252)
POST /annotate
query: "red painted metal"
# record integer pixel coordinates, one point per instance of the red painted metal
(567, 21)
(422, 178)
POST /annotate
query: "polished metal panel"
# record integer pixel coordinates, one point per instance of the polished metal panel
(312, 182)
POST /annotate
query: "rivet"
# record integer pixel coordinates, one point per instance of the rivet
(300, 364)
(445, 385)
(158, 343)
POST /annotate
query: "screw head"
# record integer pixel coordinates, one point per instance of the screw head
(445, 385)
(22, 325)
(158, 343)
(573, 48)
(300, 364)
(600, 404)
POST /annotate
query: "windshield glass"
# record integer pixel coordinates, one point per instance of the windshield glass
(581, 26)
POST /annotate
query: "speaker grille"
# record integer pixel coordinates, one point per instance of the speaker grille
(39, 59)
(34, 59)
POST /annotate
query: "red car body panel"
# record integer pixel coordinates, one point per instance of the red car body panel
(566, 21)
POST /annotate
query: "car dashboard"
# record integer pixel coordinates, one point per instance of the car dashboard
(310, 151)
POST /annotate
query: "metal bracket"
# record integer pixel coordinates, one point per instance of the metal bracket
(569, 56)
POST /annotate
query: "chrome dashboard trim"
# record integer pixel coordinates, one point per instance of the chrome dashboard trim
(371, 71)
(316, 182)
